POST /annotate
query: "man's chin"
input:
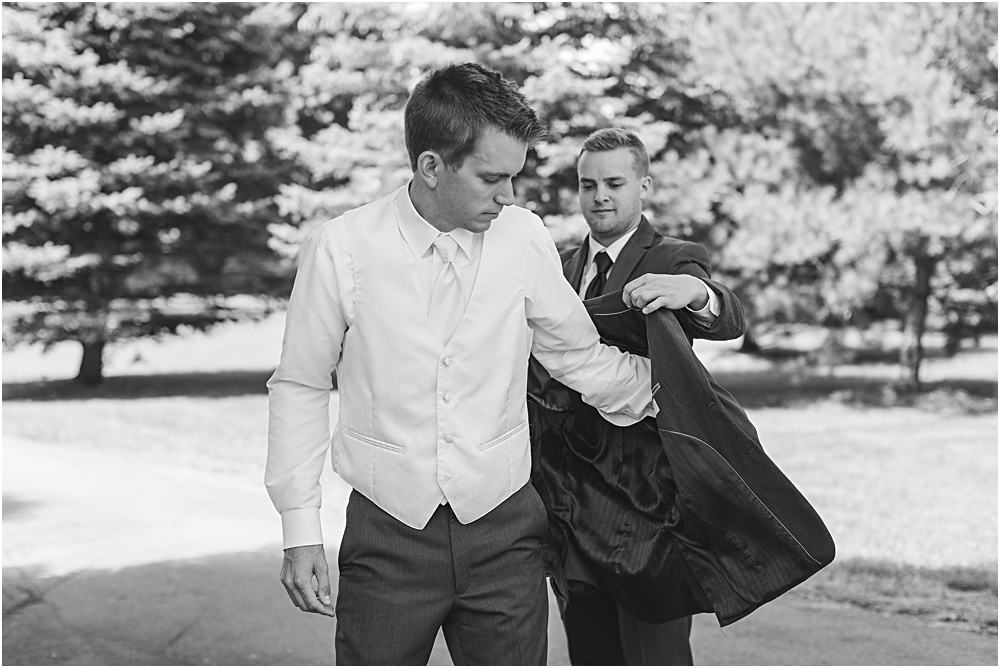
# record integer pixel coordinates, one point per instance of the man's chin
(480, 226)
(600, 226)
(477, 225)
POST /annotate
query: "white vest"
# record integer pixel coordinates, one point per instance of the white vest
(418, 417)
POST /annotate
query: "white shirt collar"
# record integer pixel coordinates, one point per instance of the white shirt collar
(613, 250)
(418, 234)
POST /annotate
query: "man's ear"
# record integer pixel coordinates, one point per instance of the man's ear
(429, 166)
(645, 186)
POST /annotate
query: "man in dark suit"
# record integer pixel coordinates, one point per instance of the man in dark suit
(623, 253)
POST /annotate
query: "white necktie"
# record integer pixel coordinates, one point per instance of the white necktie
(447, 296)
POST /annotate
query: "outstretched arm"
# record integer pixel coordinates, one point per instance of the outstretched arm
(567, 344)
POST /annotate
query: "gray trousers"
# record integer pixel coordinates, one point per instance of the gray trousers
(482, 582)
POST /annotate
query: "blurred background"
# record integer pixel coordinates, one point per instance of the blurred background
(163, 163)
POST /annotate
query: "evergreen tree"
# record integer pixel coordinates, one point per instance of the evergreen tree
(161, 161)
(139, 179)
(584, 66)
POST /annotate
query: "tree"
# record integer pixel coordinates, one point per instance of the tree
(583, 66)
(138, 177)
(942, 148)
(345, 115)
(837, 160)
(889, 109)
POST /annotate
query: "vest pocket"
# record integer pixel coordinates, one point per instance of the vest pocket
(392, 447)
(504, 436)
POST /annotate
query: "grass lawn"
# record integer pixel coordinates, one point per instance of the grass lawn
(907, 485)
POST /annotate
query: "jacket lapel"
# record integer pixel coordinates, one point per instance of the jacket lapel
(573, 269)
(635, 248)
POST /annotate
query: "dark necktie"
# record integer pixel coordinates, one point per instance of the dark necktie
(596, 287)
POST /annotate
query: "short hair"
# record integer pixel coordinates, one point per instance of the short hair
(450, 107)
(609, 139)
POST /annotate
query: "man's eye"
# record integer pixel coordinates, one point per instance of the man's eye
(586, 186)
(614, 186)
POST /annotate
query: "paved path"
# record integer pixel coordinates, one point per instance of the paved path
(118, 561)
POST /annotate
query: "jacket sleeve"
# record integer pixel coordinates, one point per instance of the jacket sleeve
(692, 259)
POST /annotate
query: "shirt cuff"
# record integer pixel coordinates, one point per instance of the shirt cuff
(711, 310)
(627, 418)
(301, 527)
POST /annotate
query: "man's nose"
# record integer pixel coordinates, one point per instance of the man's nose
(505, 196)
(600, 194)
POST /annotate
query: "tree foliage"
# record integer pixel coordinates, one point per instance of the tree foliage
(874, 170)
(138, 177)
(838, 160)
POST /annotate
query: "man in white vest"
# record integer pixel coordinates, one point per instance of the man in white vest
(427, 304)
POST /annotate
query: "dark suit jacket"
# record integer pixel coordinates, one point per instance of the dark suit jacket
(677, 515)
(648, 252)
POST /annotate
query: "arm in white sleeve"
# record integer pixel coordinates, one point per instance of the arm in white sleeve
(298, 436)
(710, 311)
(567, 344)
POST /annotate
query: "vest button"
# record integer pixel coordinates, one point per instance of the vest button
(448, 361)
(447, 398)
(449, 439)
